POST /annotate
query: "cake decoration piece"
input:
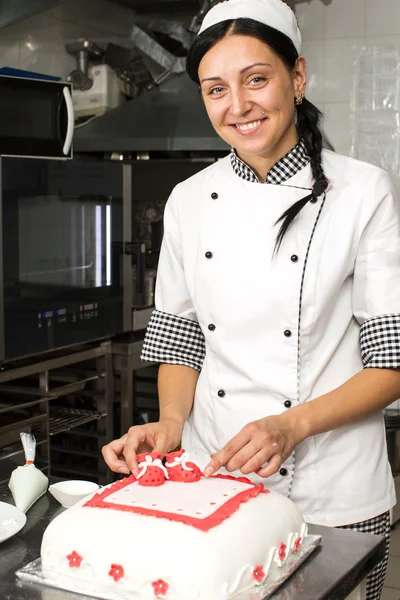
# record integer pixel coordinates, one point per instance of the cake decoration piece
(181, 467)
(74, 559)
(281, 554)
(297, 544)
(259, 574)
(116, 572)
(160, 588)
(152, 472)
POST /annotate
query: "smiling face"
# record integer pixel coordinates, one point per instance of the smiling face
(249, 96)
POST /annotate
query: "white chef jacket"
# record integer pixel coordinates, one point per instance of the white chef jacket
(280, 330)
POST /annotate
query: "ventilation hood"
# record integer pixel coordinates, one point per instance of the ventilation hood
(168, 118)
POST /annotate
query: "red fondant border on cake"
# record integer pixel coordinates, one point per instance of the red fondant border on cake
(221, 513)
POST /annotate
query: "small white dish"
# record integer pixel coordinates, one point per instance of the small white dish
(12, 520)
(70, 492)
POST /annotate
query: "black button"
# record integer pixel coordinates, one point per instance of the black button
(283, 472)
(214, 196)
(209, 254)
(211, 327)
(288, 404)
(294, 258)
(287, 332)
(314, 200)
(221, 393)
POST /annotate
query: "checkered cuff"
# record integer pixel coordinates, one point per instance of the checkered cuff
(380, 342)
(174, 340)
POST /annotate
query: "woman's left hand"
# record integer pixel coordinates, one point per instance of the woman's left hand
(260, 447)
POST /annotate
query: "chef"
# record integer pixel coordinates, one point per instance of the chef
(277, 320)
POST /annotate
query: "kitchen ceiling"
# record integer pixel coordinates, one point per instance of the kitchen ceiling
(185, 5)
(161, 5)
(12, 11)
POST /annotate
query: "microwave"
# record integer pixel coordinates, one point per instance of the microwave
(36, 118)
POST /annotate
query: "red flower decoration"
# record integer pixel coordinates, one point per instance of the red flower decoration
(116, 572)
(282, 552)
(160, 587)
(297, 544)
(259, 573)
(74, 559)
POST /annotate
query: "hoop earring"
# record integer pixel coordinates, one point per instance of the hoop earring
(299, 100)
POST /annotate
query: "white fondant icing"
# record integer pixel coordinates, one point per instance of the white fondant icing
(196, 565)
(198, 500)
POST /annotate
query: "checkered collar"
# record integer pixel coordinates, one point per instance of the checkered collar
(295, 160)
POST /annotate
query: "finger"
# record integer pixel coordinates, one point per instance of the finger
(244, 456)
(273, 466)
(256, 461)
(221, 458)
(136, 436)
(112, 456)
(161, 445)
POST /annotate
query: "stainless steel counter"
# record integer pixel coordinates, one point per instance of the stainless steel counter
(332, 572)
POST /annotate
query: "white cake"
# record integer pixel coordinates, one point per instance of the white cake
(207, 540)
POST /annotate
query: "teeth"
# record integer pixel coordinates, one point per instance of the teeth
(248, 126)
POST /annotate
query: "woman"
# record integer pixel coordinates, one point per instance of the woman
(277, 319)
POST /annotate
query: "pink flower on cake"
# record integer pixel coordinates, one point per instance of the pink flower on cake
(259, 573)
(297, 544)
(160, 587)
(116, 572)
(282, 552)
(74, 559)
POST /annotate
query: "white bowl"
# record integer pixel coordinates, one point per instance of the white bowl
(70, 492)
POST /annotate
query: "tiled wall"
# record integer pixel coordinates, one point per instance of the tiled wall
(38, 43)
(332, 35)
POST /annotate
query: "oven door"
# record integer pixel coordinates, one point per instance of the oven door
(36, 118)
(62, 238)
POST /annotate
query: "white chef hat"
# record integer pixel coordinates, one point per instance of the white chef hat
(274, 13)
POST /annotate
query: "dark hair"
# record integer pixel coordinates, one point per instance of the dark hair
(308, 115)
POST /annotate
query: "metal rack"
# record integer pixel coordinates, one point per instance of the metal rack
(135, 384)
(65, 419)
(392, 418)
(66, 394)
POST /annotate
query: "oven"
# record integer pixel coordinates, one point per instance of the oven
(61, 253)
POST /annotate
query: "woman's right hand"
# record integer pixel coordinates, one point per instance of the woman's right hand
(162, 436)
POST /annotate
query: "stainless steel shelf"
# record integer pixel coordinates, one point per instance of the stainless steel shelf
(56, 395)
(64, 419)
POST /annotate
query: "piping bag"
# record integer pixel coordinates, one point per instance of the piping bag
(27, 483)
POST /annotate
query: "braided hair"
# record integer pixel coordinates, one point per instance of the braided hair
(308, 115)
